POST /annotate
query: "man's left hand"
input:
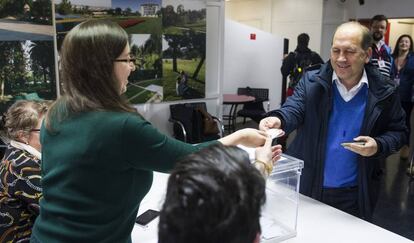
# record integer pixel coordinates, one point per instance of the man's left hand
(368, 148)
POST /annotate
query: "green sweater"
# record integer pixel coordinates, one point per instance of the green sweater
(96, 169)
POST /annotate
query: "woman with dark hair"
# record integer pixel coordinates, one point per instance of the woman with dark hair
(20, 188)
(403, 74)
(98, 152)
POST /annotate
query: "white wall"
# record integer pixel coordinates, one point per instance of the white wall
(286, 18)
(390, 8)
(290, 18)
(255, 13)
(335, 13)
(158, 114)
(254, 63)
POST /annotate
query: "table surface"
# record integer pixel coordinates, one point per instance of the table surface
(317, 222)
(237, 99)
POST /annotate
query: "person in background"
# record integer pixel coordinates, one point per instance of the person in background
(98, 152)
(402, 73)
(348, 119)
(20, 188)
(214, 196)
(295, 63)
(381, 52)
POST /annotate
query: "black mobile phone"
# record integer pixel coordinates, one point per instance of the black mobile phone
(146, 217)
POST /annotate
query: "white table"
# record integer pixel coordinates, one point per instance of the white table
(317, 222)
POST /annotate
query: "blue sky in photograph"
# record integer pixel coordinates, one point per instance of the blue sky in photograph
(132, 4)
(188, 4)
(139, 39)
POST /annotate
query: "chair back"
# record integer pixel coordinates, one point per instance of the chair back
(254, 110)
(260, 94)
(190, 121)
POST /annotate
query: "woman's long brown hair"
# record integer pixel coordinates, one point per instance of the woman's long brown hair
(87, 71)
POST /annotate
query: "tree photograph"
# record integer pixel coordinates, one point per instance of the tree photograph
(184, 49)
(182, 15)
(26, 20)
(145, 84)
(135, 16)
(27, 71)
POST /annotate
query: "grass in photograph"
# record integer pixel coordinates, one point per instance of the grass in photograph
(147, 25)
(178, 30)
(136, 92)
(199, 26)
(173, 30)
(142, 98)
(170, 77)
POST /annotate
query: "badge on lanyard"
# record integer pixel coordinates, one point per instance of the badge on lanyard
(397, 80)
(381, 63)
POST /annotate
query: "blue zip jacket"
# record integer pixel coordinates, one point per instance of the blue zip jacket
(308, 111)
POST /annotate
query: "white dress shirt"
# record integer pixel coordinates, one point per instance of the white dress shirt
(346, 94)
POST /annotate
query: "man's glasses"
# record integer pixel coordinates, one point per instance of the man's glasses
(35, 130)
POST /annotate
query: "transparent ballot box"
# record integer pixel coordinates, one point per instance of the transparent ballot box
(279, 214)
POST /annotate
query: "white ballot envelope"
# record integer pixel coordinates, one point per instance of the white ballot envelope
(275, 132)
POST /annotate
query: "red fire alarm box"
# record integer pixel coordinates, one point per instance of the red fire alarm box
(252, 36)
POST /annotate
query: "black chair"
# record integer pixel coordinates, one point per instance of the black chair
(254, 110)
(189, 125)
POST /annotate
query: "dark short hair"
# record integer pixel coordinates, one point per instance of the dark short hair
(397, 48)
(379, 18)
(303, 39)
(214, 195)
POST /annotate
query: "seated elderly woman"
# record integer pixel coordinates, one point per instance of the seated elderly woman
(20, 189)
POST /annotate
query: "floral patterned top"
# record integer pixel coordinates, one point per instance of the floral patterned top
(20, 192)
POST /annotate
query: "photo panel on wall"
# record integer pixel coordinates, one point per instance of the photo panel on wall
(184, 49)
(27, 57)
(141, 19)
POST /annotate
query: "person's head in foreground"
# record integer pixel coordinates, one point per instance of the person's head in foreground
(214, 195)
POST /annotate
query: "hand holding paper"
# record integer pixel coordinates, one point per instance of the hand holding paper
(275, 132)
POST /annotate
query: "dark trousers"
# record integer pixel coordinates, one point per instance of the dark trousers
(345, 199)
(407, 107)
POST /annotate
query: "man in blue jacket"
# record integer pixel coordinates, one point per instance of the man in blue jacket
(348, 118)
